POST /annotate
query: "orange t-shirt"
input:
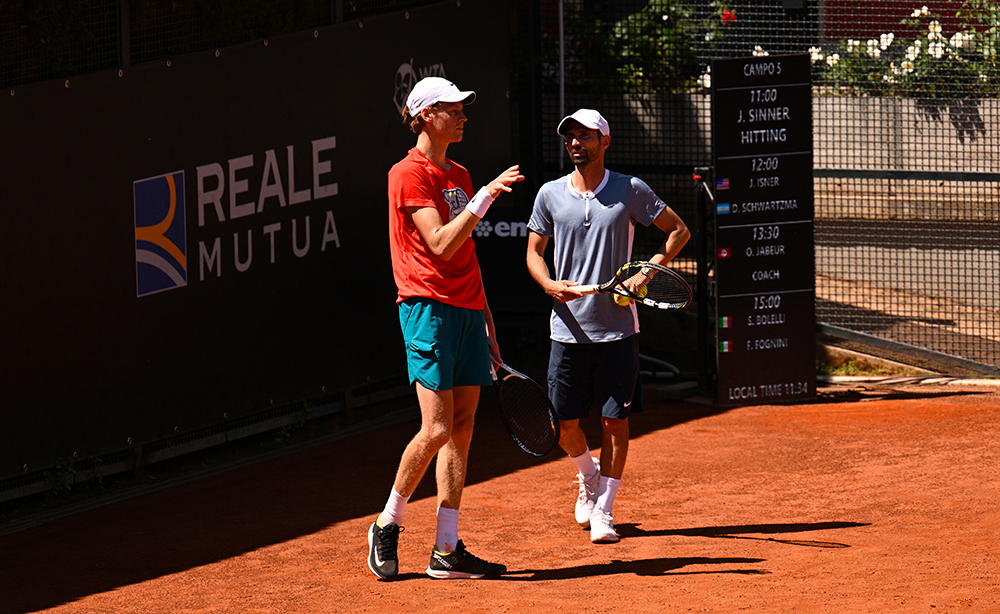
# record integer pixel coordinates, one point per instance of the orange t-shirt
(415, 181)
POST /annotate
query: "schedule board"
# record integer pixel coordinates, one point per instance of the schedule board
(765, 266)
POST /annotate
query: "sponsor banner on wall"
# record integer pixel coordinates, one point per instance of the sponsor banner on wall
(191, 241)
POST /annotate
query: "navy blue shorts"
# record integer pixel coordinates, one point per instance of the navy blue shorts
(608, 373)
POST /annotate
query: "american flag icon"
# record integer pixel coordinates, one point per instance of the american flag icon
(722, 184)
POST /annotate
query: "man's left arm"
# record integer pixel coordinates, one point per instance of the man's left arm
(677, 236)
(491, 329)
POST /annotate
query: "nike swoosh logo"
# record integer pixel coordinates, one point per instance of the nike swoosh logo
(627, 404)
(378, 559)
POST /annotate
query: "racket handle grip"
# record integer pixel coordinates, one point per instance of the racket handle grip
(591, 289)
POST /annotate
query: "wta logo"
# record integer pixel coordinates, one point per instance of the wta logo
(160, 234)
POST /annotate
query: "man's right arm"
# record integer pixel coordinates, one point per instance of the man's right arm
(442, 239)
(561, 290)
(445, 239)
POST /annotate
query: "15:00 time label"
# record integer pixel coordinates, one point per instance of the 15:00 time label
(770, 301)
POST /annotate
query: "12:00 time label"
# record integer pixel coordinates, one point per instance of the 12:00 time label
(763, 164)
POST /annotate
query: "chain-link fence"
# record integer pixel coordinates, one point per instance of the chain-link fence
(56, 39)
(907, 177)
(905, 108)
(905, 112)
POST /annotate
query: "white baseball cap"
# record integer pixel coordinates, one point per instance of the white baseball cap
(432, 90)
(589, 118)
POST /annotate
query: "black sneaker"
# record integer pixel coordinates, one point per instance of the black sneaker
(382, 544)
(461, 564)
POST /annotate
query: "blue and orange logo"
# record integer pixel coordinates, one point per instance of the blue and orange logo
(160, 234)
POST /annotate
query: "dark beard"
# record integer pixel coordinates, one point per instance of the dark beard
(582, 161)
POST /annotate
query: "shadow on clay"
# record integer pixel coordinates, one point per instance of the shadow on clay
(744, 531)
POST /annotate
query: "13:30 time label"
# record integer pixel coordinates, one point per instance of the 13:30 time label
(766, 233)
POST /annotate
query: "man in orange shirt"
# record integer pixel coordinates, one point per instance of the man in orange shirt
(446, 322)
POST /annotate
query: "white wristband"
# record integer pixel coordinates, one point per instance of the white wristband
(480, 203)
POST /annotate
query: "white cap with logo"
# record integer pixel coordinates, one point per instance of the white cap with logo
(588, 118)
(432, 90)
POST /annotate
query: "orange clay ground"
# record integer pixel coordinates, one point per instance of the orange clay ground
(871, 499)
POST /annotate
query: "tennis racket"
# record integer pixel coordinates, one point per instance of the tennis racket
(526, 412)
(647, 283)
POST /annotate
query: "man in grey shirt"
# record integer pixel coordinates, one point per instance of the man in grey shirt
(590, 215)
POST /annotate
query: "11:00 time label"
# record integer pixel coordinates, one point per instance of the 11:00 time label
(768, 95)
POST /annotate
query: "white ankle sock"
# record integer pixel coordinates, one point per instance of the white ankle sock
(447, 530)
(394, 509)
(585, 464)
(606, 498)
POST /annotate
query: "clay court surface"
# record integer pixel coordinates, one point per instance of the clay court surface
(872, 499)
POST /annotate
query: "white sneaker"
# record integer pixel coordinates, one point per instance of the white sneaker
(587, 498)
(602, 528)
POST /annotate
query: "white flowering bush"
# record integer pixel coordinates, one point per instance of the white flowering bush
(931, 64)
(944, 72)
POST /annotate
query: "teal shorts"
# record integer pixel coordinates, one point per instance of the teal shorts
(446, 346)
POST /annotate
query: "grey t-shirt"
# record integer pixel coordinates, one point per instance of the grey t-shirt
(592, 236)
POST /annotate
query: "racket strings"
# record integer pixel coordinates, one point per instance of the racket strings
(661, 286)
(526, 412)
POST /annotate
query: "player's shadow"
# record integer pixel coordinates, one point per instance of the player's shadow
(627, 531)
(649, 567)
(673, 566)
(884, 391)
